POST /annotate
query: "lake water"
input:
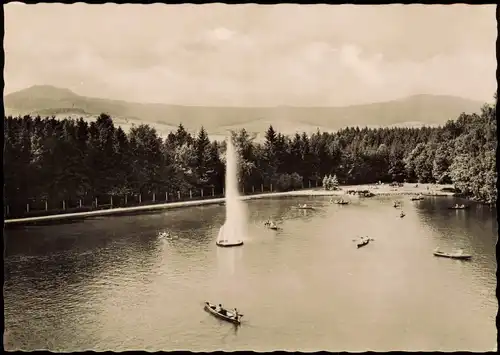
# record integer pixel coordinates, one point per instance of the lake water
(111, 283)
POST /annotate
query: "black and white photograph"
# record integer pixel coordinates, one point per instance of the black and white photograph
(217, 177)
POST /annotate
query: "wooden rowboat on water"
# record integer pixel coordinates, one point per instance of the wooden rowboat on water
(271, 225)
(457, 207)
(341, 202)
(457, 255)
(223, 314)
(305, 207)
(363, 242)
(228, 244)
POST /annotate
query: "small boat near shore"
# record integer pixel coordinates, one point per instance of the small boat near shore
(305, 207)
(417, 198)
(458, 207)
(456, 255)
(229, 316)
(340, 202)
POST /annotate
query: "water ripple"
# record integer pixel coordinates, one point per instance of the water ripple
(115, 284)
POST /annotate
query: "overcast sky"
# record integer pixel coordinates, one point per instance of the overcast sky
(250, 55)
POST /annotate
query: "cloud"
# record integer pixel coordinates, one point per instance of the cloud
(253, 55)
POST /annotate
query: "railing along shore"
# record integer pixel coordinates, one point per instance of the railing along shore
(42, 210)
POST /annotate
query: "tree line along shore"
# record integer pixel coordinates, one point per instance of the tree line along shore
(70, 164)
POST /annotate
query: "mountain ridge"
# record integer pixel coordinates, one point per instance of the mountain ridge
(420, 109)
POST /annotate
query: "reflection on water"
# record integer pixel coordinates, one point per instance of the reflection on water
(115, 283)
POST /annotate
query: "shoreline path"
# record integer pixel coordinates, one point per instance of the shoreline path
(407, 189)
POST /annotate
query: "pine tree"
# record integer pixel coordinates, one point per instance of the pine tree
(334, 182)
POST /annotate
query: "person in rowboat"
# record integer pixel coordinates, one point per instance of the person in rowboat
(236, 314)
(223, 311)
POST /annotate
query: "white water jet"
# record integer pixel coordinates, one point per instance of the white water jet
(234, 230)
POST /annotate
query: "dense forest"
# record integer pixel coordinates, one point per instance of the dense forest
(70, 160)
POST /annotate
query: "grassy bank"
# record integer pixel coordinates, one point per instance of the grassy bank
(407, 189)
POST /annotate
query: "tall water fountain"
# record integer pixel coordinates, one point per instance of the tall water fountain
(234, 230)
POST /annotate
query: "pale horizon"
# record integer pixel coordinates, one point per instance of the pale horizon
(253, 55)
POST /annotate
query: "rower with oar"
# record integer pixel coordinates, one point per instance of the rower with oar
(363, 239)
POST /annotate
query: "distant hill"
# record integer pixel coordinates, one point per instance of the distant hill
(418, 110)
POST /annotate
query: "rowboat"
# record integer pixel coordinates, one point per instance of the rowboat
(271, 225)
(363, 243)
(228, 316)
(418, 198)
(228, 244)
(341, 202)
(457, 255)
(456, 207)
(305, 207)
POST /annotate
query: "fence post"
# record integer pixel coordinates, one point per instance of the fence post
(96, 202)
(140, 198)
(154, 197)
(126, 199)
(201, 191)
(80, 201)
(271, 187)
(213, 192)
(179, 195)
(64, 205)
(309, 183)
(190, 194)
(261, 187)
(253, 189)
(27, 207)
(46, 205)
(166, 196)
(316, 183)
(111, 201)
